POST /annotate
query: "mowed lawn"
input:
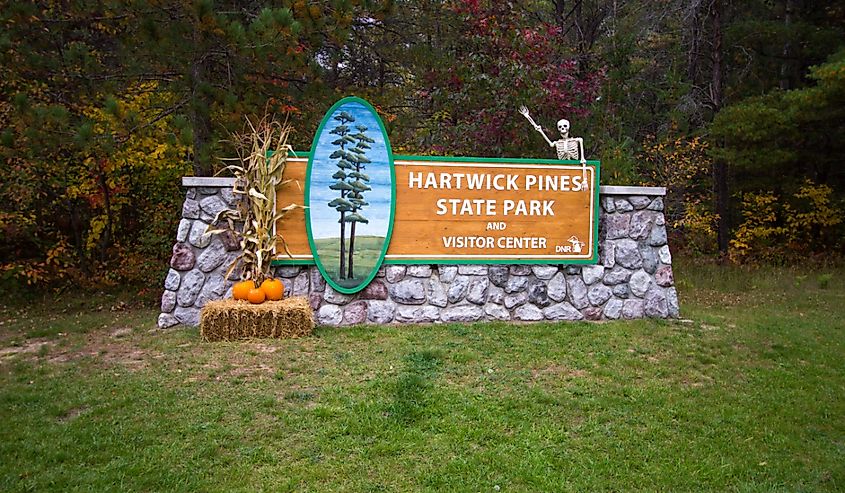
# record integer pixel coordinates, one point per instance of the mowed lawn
(746, 394)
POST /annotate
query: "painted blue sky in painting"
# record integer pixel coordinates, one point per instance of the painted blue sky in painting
(324, 219)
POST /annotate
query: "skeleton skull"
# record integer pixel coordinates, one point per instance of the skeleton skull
(563, 127)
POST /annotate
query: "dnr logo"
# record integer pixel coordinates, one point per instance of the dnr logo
(575, 246)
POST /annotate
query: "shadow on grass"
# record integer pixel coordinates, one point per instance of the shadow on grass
(413, 394)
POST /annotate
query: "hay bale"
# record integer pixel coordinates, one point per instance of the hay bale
(231, 320)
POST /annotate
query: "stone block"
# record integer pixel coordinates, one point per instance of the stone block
(380, 312)
(520, 270)
(622, 205)
(168, 301)
(187, 316)
(657, 236)
(613, 309)
(462, 313)
(499, 275)
(663, 277)
(496, 295)
(355, 313)
(593, 313)
(556, 289)
(528, 313)
(544, 272)
(212, 205)
(598, 294)
(515, 299)
(408, 292)
(472, 270)
(607, 203)
(458, 289)
(184, 230)
(591, 274)
(632, 309)
(300, 284)
(538, 293)
(496, 312)
(664, 255)
(477, 292)
(516, 283)
(329, 315)
(183, 258)
(394, 273)
(417, 314)
(288, 271)
(641, 224)
(191, 209)
(376, 290)
(198, 236)
(655, 304)
(172, 280)
(656, 204)
(418, 271)
(331, 295)
(616, 275)
(639, 283)
(212, 257)
(436, 293)
(577, 292)
(608, 256)
(639, 201)
(617, 226)
(166, 320)
(650, 258)
(628, 254)
(447, 272)
(562, 311)
(190, 289)
(318, 283)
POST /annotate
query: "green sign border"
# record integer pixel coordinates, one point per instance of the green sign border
(307, 200)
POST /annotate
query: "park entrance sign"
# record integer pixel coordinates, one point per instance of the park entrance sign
(366, 206)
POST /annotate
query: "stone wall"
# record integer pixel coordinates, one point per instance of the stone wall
(633, 278)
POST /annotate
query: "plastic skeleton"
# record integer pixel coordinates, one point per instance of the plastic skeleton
(567, 147)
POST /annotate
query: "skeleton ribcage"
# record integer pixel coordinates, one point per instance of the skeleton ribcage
(567, 149)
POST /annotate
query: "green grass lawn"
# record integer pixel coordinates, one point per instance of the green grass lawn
(748, 394)
(366, 254)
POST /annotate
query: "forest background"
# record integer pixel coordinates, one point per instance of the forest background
(738, 107)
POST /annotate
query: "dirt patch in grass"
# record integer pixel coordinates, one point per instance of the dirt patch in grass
(30, 347)
(112, 347)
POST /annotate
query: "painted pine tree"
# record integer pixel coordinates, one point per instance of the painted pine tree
(358, 180)
(345, 160)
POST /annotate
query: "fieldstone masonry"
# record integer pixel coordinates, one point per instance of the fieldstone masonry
(633, 278)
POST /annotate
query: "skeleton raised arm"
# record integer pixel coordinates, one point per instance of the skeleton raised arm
(537, 127)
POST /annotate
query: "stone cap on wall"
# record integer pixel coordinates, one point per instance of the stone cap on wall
(226, 182)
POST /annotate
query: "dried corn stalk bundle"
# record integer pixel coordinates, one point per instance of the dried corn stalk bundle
(262, 155)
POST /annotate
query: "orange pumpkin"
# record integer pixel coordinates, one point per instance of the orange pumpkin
(240, 291)
(274, 289)
(256, 296)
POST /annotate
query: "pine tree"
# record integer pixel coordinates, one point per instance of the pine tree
(359, 187)
(344, 165)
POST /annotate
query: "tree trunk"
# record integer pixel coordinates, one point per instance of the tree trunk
(351, 249)
(342, 273)
(720, 167)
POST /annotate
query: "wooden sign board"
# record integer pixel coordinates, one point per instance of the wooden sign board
(474, 210)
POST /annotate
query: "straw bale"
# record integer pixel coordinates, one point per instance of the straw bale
(230, 320)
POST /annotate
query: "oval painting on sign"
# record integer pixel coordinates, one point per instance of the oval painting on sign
(349, 194)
